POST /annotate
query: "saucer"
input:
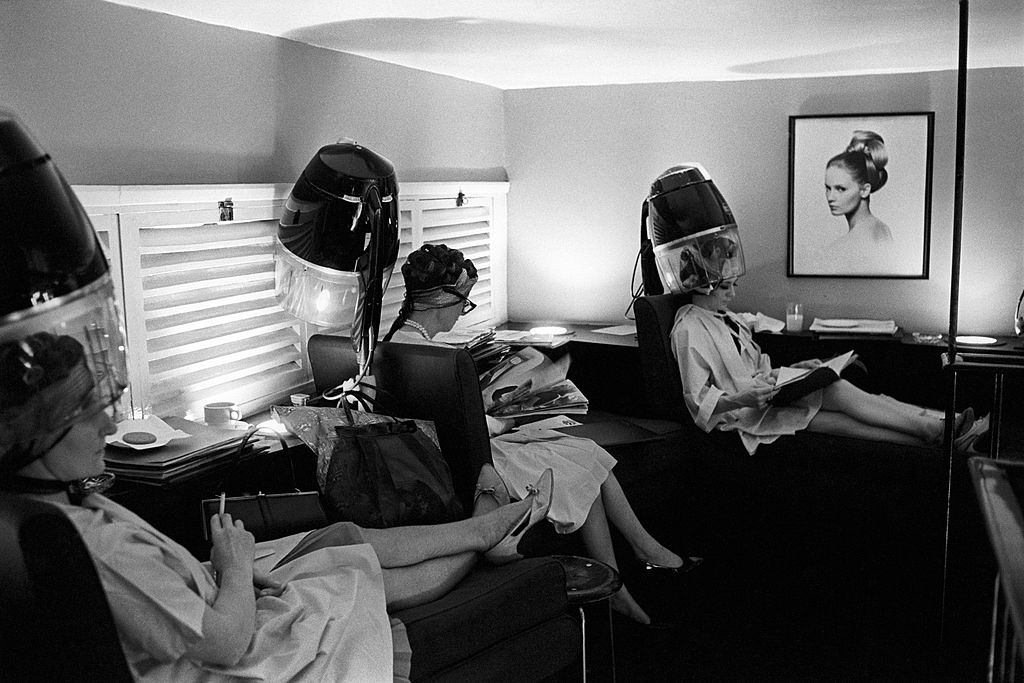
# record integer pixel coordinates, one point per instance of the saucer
(141, 435)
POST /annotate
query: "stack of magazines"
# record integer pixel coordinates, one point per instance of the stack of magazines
(204, 449)
(527, 382)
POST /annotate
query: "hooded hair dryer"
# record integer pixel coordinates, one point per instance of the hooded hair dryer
(688, 236)
(337, 242)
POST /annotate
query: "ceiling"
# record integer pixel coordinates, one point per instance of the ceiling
(514, 44)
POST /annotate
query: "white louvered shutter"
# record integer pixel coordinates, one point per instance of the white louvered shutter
(197, 293)
(203, 322)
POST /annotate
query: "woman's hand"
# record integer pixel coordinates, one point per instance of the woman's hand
(266, 585)
(808, 364)
(756, 395)
(228, 624)
(234, 548)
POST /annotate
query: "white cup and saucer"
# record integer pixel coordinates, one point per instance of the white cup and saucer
(223, 415)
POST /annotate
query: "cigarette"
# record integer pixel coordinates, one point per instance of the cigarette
(223, 496)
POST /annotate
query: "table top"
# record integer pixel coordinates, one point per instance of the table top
(585, 333)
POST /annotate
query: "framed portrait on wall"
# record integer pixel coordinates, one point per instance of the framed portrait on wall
(860, 190)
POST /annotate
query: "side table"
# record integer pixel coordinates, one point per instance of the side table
(588, 585)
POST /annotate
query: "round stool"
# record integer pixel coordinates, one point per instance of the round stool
(588, 582)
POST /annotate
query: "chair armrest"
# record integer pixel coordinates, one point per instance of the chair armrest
(491, 605)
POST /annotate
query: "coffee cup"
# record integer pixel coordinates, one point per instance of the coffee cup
(221, 413)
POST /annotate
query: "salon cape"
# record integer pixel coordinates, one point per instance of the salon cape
(710, 367)
(329, 624)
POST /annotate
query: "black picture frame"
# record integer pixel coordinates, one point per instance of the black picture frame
(833, 231)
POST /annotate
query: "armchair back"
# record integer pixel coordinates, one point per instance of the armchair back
(663, 389)
(435, 383)
(56, 623)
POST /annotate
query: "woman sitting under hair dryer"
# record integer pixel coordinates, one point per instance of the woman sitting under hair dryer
(586, 495)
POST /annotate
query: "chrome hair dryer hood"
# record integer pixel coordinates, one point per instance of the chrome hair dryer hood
(692, 233)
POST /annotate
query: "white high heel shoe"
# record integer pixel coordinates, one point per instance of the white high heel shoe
(490, 483)
(507, 549)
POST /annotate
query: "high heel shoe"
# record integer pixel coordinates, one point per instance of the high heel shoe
(966, 439)
(490, 483)
(507, 549)
(688, 565)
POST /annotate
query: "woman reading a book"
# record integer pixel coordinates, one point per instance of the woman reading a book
(729, 384)
(587, 496)
(309, 607)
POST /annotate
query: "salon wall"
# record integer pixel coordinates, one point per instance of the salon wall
(119, 95)
(581, 160)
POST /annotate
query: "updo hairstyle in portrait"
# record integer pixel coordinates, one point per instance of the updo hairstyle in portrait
(865, 159)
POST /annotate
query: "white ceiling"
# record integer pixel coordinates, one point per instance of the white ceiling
(512, 44)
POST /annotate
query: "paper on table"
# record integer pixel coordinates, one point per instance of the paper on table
(853, 326)
(620, 330)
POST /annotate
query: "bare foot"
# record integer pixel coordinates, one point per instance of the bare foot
(623, 603)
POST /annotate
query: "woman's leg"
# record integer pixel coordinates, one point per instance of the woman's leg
(408, 545)
(622, 516)
(872, 410)
(597, 539)
(426, 581)
(841, 424)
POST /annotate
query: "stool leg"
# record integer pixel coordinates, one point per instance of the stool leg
(583, 629)
(603, 657)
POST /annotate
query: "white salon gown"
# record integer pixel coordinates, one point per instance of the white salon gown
(330, 623)
(711, 366)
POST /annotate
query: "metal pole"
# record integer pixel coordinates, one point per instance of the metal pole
(954, 298)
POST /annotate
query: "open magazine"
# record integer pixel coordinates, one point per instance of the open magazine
(793, 383)
(529, 383)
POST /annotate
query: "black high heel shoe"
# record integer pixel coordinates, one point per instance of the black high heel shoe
(688, 565)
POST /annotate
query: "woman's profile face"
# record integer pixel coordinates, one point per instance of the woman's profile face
(842, 192)
(79, 453)
(723, 294)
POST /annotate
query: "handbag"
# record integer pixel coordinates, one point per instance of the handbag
(269, 516)
(388, 474)
(376, 470)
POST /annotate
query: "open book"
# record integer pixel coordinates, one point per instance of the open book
(794, 383)
(529, 383)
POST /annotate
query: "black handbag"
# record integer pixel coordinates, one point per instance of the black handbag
(388, 474)
(269, 516)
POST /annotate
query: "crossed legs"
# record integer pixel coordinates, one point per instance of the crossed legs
(422, 563)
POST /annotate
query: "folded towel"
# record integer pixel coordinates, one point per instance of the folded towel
(759, 322)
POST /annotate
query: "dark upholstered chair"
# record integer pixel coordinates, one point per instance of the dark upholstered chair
(55, 623)
(499, 623)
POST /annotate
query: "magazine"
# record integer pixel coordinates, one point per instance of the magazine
(793, 383)
(529, 383)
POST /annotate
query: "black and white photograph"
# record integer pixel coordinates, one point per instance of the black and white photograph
(398, 341)
(860, 195)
